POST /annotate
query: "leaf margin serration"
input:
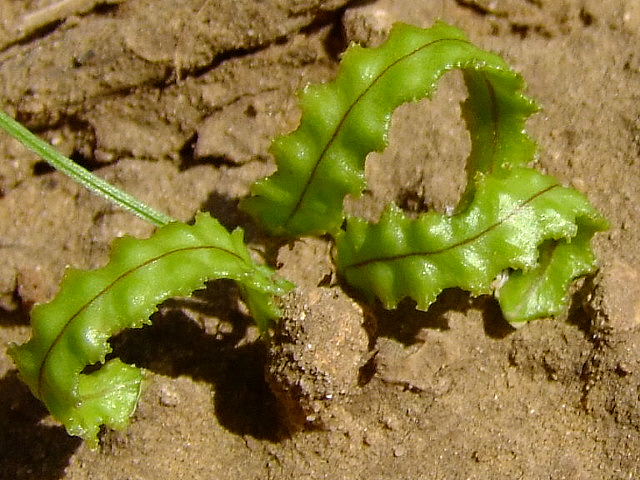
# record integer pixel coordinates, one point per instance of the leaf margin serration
(72, 331)
(401, 273)
(327, 111)
(495, 112)
(543, 291)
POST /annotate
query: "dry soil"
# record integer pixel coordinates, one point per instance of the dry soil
(177, 102)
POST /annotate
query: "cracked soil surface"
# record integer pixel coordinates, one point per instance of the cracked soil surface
(177, 103)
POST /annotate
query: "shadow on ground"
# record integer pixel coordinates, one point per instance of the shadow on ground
(176, 345)
(30, 449)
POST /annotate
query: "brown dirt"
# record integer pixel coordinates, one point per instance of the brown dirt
(176, 102)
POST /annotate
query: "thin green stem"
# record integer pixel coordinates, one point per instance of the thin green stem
(80, 174)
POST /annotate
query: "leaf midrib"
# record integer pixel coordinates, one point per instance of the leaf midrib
(336, 132)
(460, 243)
(103, 291)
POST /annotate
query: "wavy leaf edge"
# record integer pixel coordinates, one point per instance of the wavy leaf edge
(344, 120)
(72, 331)
(501, 230)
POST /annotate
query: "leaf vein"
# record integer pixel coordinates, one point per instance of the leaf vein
(460, 243)
(103, 291)
(353, 104)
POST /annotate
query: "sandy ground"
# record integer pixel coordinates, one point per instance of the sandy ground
(177, 102)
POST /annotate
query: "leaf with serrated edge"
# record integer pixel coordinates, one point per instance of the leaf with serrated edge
(510, 215)
(344, 120)
(72, 331)
(542, 291)
(495, 112)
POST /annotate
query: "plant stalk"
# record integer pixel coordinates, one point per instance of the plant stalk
(80, 174)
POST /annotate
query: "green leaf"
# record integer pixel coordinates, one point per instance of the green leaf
(542, 290)
(504, 215)
(495, 113)
(344, 120)
(511, 214)
(72, 331)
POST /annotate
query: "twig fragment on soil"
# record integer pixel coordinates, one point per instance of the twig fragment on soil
(56, 12)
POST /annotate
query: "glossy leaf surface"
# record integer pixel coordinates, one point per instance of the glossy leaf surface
(543, 290)
(510, 216)
(72, 331)
(506, 223)
(346, 119)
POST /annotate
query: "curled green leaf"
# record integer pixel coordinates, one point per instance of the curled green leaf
(346, 119)
(509, 217)
(72, 331)
(511, 221)
(543, 290)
